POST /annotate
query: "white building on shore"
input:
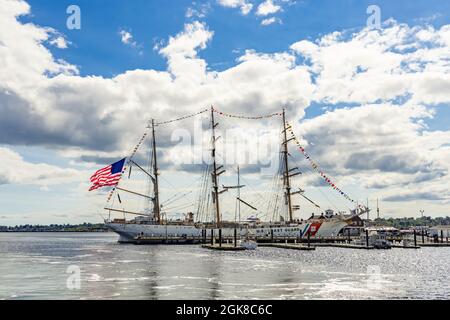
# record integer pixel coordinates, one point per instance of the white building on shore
(439, 231)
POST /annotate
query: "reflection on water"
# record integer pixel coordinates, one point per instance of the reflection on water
(33, 266)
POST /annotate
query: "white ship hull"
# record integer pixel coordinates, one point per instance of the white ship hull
(129, 232)
(153, 233)
(316, 230)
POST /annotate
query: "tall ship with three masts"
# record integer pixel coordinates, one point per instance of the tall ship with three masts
(152, 226)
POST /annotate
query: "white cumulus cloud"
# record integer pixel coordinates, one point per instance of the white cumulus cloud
(267, 7)
(127, 38)
(14, 170)
(394, 81)
(244, 5)
(269, 21)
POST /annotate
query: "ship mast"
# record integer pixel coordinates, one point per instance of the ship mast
(237, 214)
(153, 166)
(287, 181)
(156, 207)
(215, 174)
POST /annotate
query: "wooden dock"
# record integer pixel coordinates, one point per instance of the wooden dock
(433, 244)
(287, 246)
(223, 247)
(141, 240)
(293, 243)
(343, 245)
(399, 246)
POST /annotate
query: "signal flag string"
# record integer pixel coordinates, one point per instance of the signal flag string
(288, 127)
(130, 158)
(248, 117)
(136, 148)
(222, 114)
(182, 118)
(315, 166)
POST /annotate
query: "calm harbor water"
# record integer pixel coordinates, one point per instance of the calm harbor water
(35, 265)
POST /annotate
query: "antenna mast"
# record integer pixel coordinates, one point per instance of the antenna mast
(368, 211)
(239, 193)
(287, 182)
(378, 210)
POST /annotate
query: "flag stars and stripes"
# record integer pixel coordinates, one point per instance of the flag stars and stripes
(108, 176)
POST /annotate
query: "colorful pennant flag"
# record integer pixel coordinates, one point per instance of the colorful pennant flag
(315, 166)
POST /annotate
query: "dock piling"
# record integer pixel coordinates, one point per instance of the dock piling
(367, 238)
(235, 237)
(220, 237)
(415, 238)
(212, 237)
(309, 239)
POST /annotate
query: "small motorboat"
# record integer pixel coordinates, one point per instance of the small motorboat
(373, 239)
(248, 244)
(382, 244)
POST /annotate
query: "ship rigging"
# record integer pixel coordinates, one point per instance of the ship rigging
(155, 224)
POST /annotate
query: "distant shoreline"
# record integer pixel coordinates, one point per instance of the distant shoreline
(57, 228)
(57, 231)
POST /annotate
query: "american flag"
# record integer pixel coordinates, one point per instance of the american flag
(108, 176)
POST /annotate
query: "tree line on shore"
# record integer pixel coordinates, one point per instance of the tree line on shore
(400, 223)
(405, 223)
(85, 227)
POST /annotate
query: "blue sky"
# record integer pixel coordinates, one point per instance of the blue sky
(97, 49)
(78, 102)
